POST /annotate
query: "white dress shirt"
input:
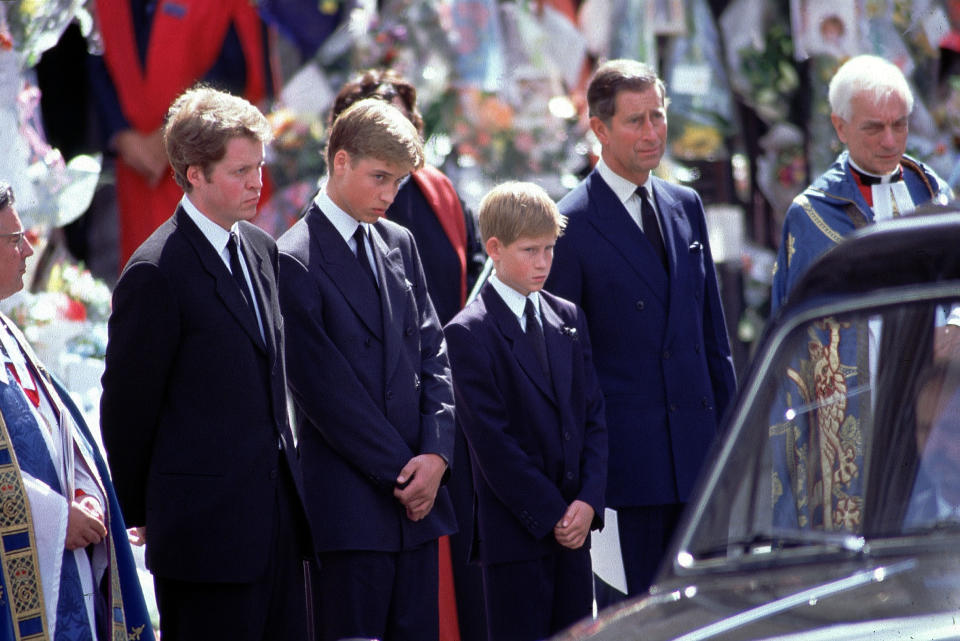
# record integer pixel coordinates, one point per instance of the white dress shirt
(218, 237)
(346, 225)
(626, 192)
(516, 301)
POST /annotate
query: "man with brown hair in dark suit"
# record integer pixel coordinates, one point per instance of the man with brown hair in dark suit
(194, 413)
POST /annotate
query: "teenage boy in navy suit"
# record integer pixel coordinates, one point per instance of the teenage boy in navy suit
(530, 405)
(370, 380)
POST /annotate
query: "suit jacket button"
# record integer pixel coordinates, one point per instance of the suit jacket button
(273, 475)
(408, 331)
(666, 354)
(389, 395)
(569, 476)
(640, 305)
(696, 348)
(705, 402)
(566, 436)
(673, 407)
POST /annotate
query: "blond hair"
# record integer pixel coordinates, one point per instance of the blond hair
(515, 210)
(373, 128)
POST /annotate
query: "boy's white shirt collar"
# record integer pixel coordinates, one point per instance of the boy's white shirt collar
(343, 222)
(516, 301)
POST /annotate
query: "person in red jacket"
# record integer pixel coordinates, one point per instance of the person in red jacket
(153, 51)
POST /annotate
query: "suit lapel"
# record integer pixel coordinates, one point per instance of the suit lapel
(341, 265)
(671, 216)
(394, 286)
(509, 326)
(226, 287)
(613, 222)
(262, 283)
(677, 237)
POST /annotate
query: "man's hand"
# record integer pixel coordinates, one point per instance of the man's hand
(85, 523)
(137, 535)
(572, 530)
(418, 483)
(145, 153)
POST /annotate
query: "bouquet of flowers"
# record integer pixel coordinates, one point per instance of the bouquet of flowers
(66, 324)
(760, 57)
(69, 316)
(50, 191)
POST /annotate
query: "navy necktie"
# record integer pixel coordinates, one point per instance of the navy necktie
(535, 332)
(233, 246)
(360, 237)
(651, 228)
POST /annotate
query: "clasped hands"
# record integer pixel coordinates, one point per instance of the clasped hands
(418, 483)
(572, 530)
(86, 524)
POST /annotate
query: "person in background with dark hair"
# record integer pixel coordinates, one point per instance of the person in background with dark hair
(193, 411)
(446, 234)
(65, 548)
(636, 257)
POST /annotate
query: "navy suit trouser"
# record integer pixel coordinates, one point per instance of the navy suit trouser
(532, 600)
(645, 533)
(379, 595)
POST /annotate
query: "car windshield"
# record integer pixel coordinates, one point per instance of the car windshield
(850, 431)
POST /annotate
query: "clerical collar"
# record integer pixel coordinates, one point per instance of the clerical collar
(867, 179)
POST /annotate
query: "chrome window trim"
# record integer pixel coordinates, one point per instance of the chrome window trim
(915, 293)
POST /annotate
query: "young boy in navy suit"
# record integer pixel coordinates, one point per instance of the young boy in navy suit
(529, 403)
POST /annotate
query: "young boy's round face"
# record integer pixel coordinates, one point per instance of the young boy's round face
(525, 263)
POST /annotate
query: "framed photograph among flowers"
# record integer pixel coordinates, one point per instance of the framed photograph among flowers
(825, 27)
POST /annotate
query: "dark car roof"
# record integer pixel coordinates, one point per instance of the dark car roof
(875, 256)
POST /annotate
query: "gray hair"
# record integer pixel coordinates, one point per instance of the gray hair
(6, 195)
(870, 74)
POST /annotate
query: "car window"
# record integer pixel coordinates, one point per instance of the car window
(851, 433)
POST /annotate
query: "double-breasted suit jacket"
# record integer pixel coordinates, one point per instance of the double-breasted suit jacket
(194, 408)
(537, 443)
(370, 380)
(659, 337)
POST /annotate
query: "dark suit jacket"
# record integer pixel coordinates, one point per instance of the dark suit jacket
(660, 341)
(440, 263)
(370, 380)
(194, 403)
(536, 444)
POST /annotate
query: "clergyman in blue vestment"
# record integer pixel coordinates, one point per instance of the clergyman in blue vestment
(66, 568)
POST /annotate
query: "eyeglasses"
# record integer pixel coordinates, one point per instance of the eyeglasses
(16, 237)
